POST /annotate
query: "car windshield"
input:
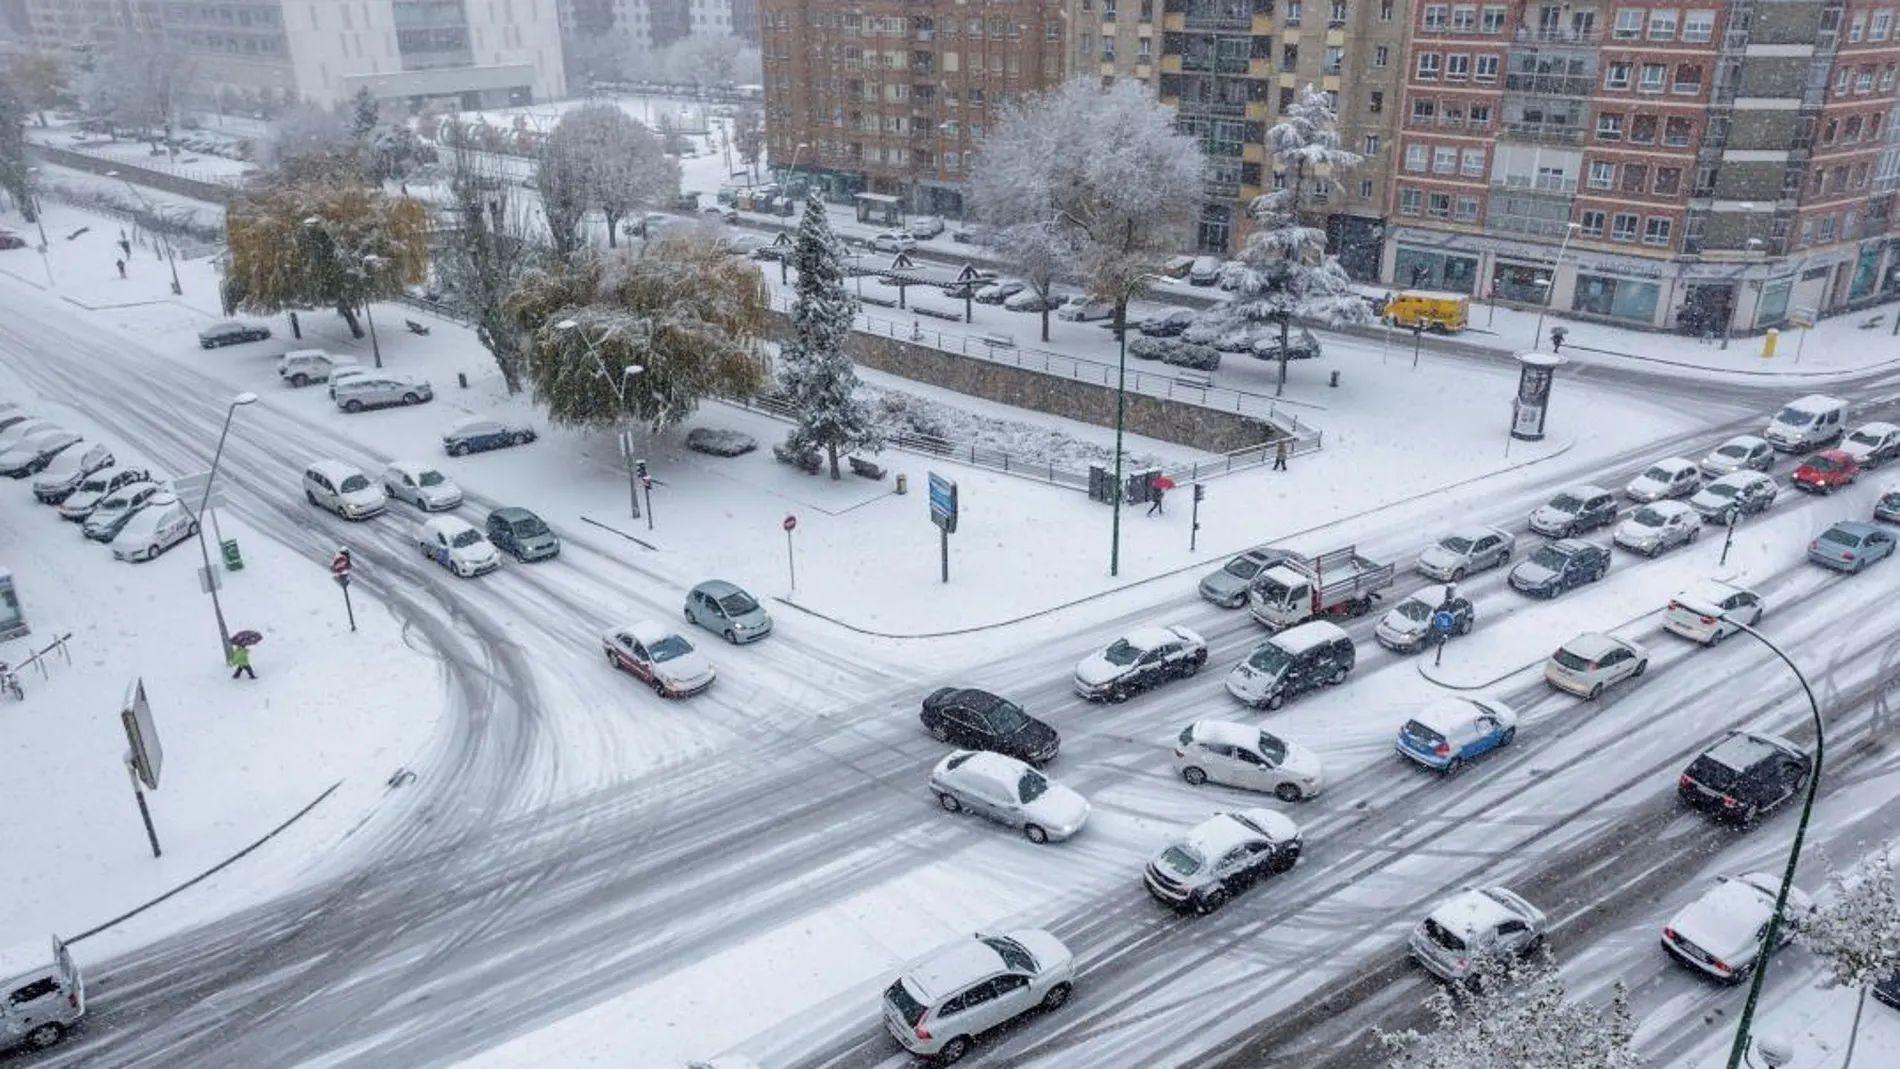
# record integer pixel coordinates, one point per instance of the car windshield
(1864, 438)
(737, 604)
(115, 502)
(908, 1008)
(1711, 773)
(1182, 859)
(1723, 489)
(1733, 451)
(1659, 474)
(466, 538)
(431, 478)
(1799, 417)
(354, 483)
(1014, 954)
(1272, 749)
(1571, 661)
(93, 486)
(1648, 518)
(1270, 659)
(1566, 503)
(1121, 653)
(1824, 464)
(529, 527)
(668, 648)
(1414, 609)
(1444, 936)
(1456, 544)
(1840, 537)
(1243, 567)
(1547, 557)
(1007, 719)
(1187, 735)
(1031, 786)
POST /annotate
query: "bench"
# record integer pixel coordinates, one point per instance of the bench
(934, 312)
(809, 463)
(872, 298)
(1202, 380)
(996, 339)
(864, 468)
(415, 327)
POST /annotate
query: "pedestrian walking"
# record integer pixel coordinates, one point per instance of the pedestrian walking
(1279, 456)
(125, 245)
(241, 662)
(1156, 493)
(121, 264)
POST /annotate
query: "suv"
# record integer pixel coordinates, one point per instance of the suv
(941, 1004)
(1574, 511)
(1559, 566)
(1314, 654)
(1744, 775)
(41, 994)
(301, 367)
(1226, 853)
(334, 485)
(377, 390)
(1474, 925)
(231, 332)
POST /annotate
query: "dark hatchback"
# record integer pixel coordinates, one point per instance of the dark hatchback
(1744, 775)
(980, 720)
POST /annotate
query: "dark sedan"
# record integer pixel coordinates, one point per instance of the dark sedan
(1559, 566)
(481, 435)
(1167, 324)
(980, 720)
(231, 332)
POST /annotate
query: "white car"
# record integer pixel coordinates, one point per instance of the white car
(31, 454)
(1872, 444)
(301, 367)
(944, 1001)
(1654, 528)
(1477, 925)
(161, 524)
(1743, 453)
(894, 241)
(1239, 755)
(421, 485)
(1674, 477)
(1223, 854)
(1465, 551)
(1009, 792)
(659, 656)
(1708, 611)
(455, 544)
(1081, 309)
(1737, 494)
(1145, 657)
(1592, 661)
(1720, 934)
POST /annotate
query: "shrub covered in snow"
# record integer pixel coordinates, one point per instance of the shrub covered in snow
(1148, 348)
(1189, 355)
(720, 443)
(905, 416)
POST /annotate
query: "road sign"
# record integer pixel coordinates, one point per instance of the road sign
(148, 757)
(790, 524)
(969, 274)
(191, 488)
(340, 566)
(783, 241)
(1444, 622)
(901, 262)
(943, 502)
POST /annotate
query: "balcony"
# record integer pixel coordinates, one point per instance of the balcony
(1553, 85)
(1527, 35)
(1231, 64)
(1221, 23)
(1190, 106)
(1196, 63)
(1543, 133)
(1535, 183)
(1218, 189)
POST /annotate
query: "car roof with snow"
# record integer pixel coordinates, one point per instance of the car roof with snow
(645, 632)
(1432, 594)
(953, 966)
(1473, 910)
(1744, 478)
(1227, 733)
(25, 956)
(1307, 635)
(1584, 491)
(1877, 428)
(1742, 750)
(1475, 531)
(1672, 465)
(1222, 832)
(412, 468)
(1728, 913)
(1594, 644)
(472, 423)
(1706, 593)
(447, 525)
(1444, 714)
(1667, 508)
(983, 764)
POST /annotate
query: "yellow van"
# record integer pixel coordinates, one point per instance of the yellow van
(1441, 313)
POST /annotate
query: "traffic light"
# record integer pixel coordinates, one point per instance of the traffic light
(640, 469)
(1200, 491)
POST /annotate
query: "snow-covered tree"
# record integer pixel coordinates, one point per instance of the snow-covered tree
(818, 378)
(1856, 932)
(324, 244)
(309, 144)
(365, 113)
(40, 80)
(484, 256)
(600, 158)
(1518, 1017)
(1283, 273)
(748, 136)
(13, 165)
(137, 81)
(394, 152)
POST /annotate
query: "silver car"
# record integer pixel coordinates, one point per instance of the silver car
(728, 611)
(1009, 792)
(1465, 551)
(1851, 545)
(1743, 453)
(1228, 587)
(1220, 856)
(377, 389)
(1475, 926)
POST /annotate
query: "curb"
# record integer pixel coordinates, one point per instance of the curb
(615, 530)
(1169, 574)
(1425, 669)
(210, 872)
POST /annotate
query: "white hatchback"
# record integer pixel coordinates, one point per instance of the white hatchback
(1674, 477)
(942, 1003)
(455, 544)
(1720, 934)
(1009, 792)
(1473, 926)
(1709, 611)
(421, 485)
(1239, 755)
(1592, 661)
(1655, 528)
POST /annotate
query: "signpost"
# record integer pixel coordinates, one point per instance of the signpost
(340, 570)
(943, 513)
(901, 268)
(144, 757)
(1444, 622)
(646, 483)
(1194, 528)
(791, 564)
(783, 243)
(967, 280)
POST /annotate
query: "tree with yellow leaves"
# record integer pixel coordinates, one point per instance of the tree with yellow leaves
(324, 245)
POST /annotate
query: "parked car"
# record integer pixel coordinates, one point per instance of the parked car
(1872, 444)
(1592, 661)
(1228, 587)
(340, 488)
(1448, 732)
(1301, 345)
(161, 524)
(1178, 266)
(1239, 338)
(1314, 654)
(661, 658)
(479, 434)
(1888, 991)
(231, 332)
(343, 375)
(522, 534)
(109, 517)
(725, 213)
(1744, 775)
(1664, 525)
(944, 1002)
(1556, 567)
(1143, 658)
(1733, 496)
(977, 719)
(1222, 856)
(301, 367)
(973, 235)
(1028, 300)
(1466, 551)
(1009, 792)
(382, 389)
(1851, 545)
(999, 291)
(925, 227)
(1410, 625)
(42, 994)
(457, 545)
(1710, 611)
(9, 240)
(1744, 453)
(1167, 324)
(726, 610)
(1826, 471)
(1082, 308)
(80, 503)
(421, 486)
(1674, 477)
(1240, 755)
(23, 428)
(1574, 511)
(32, 454)
(1720, 934)
(1204, 271)
(61, 479)
(893, 241)
(1888, 507)
(1475, 926)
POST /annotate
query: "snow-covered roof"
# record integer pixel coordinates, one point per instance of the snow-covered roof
(1222, 832)
(1472, 910)
(447, 525)
(1148, 638)
(1670, 508)
(1592, 645)
(412, 468)
(1673, 465)
(1877, 428)
(1745, 441)
(1705, 594)
(1445, 714)
(1227, 733)
(953, 966)
(1307, 635)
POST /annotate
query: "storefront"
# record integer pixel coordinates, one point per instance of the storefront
(1867, 270)
(1772, 307)
(1415, 268)
(1631, 299)
(1521, 282)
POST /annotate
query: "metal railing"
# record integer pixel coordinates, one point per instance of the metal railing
(38, 660)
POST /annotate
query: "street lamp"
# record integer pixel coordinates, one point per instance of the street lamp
(39, 219)
(204, 502)
(1121, 416)
(1550, 287)
(567, 326)
(370, 263)
(170, 256)
(1769, 1050)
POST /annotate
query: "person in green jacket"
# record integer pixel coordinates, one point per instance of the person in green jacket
(241, 662)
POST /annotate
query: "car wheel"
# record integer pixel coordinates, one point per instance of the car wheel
(1464, 626)
(1458, 575)
(1035, 834)
(1197, 662)
(1194, 776)
(191, 529)
(1057, 996)
(1716, 637)
(1510, 735)
(300, 380)
(659, 688)
(352, 405)
(1454, 766)
(730, 636)
(1288, 792)
(940, 733)
(1211, 901)
(310, 497)
(1117, 696)
(459, 449)
(1652, 551)
(523, 438)
(1570, 531)
(1641, 667)
(949, 803)
(1694, 533)
(953, 1051)
(1504, 558)
(1274, 701)
(1596, 692)
(411, 399)
(45, 1035)
(1338, 677)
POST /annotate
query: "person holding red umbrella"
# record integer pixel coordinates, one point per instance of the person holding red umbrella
(241, 644)
(1159, 488)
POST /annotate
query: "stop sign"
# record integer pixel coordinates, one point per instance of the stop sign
(341, 565)
(790, 524)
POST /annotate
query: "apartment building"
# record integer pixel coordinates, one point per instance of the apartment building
(891, 98)
(1666, 163)
(58, 25)
(1113, 39)
(1232, 66)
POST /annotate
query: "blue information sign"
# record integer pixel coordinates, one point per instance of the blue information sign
(1444, 621)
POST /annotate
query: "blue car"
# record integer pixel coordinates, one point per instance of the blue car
(481, 435)
(1450, 731)
(1851, 545)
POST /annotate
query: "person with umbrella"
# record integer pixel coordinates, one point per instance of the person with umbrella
(1159, 488)
(241, 644)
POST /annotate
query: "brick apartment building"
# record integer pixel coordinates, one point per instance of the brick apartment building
(1715, 165)
(891, 97)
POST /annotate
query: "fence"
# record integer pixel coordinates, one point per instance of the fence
(38, 659)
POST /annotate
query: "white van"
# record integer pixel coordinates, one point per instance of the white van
(334, 485)
(42, 994)
(1807, 423)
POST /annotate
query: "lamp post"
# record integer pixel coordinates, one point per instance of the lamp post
(39, 219)
(1550, 287)
(370, 263)
(566, 326)
(1121, 416)
(1773, 933)
(170, 256)
(204, 502)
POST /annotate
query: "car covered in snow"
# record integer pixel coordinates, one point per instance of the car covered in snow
(161, 524)
(1010, 792)
(421, 485)
(1720, 934)
(79, 504)
(1711, 610)
(1315, 654)
(1244, 756)
(1735, 495)
(63, 477)
(1224, 854)
(1555, 567)
(1592, 661)
(1474, 926)
(1411, 625)
(1167, 324)
(1143, 658)
(1028, 300)
(480, 434)
(1742, 453)
(1651, 529)
(1466, 551)
(1451, 731)
(1872, 444)
(1674, 477)
(114, 510)
(33, 453)
(999, 291)
(941, 1003)
(231, 332)
(1081, 308)
(457, 545)
(1574, 511)
(659, 657)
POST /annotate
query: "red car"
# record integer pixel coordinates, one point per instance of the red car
(1826, 471)
(10, 240)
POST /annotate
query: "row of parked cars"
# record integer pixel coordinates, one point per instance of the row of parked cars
(125, 507)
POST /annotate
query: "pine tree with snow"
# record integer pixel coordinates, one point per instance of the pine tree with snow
(1518, 1016)
(364, 113)
(1284, 273)
(816, 375)
(1856, 933)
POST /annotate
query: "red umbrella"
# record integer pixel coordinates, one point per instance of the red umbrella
(1164, 483)
(246, 638)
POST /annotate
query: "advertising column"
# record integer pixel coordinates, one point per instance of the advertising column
(1533, 395)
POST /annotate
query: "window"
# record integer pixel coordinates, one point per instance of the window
(1466, 210)
(1385, 11)
(1411, 202)
(1807, 231)
(1474, 163)
(1877, 30)
(1651, 78)
(1829, 131)
(1108, 10)
(1444, 160)
(1864, 81)
(1609, 128)
(1440, 206)
(1629, 24)
(1423, 111)
(1491, 19)
(1698, 27)
(1841, 81)
(1457, 67)
(1451, 115)
(1635, 178)
(949, 161)
(1336, 16)
(1643, 130)
(1427, 66)
(1147, 10)
(1436, 16)
(1857, 28)
(1415, 157)
(1623, 227)
(1108, 48)
(1860, 176)
(1365, 188)
(1662, 25)
(1371, 145)
(1668, 181)
(1848, 218)
(1289, 57)
(1376, 102)
(1293, 12)
(1144, 49)
(1602, 174)
(1286, 97)
(1851, 132)
(1480, 116)
(1381, 56)
(1590, 225)
(1824, 228)
(1487, 69)
(1616, 76)
(1335, 57)
(1886, 78)
(1677, 131)
(1688, 79)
